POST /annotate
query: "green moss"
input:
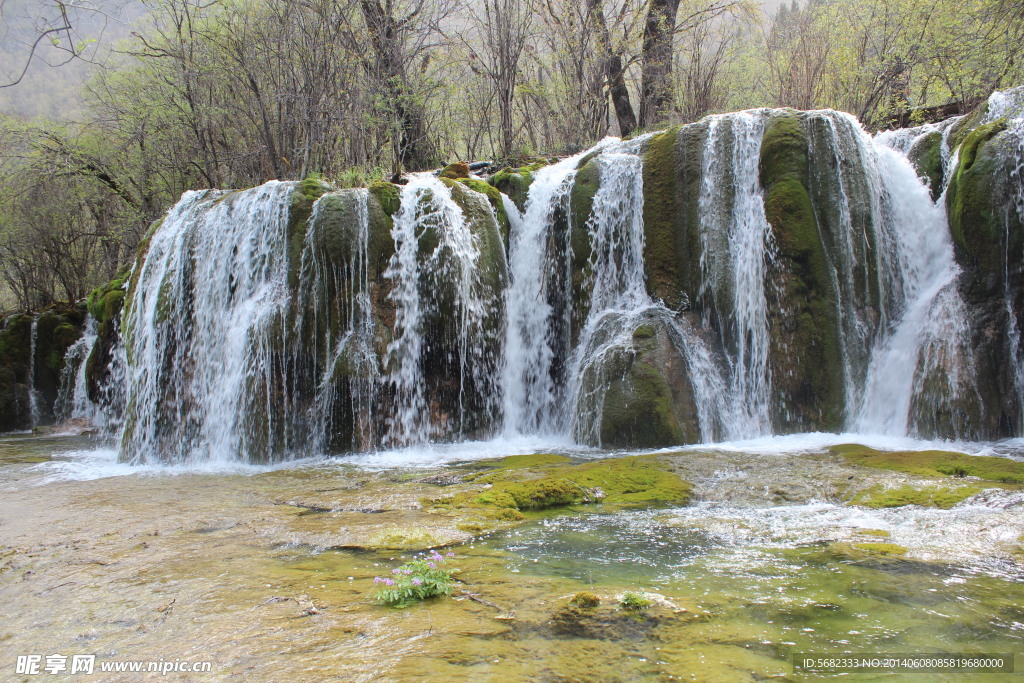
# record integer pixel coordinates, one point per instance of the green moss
(806, 358)
(403, 538)
(934, 463)
(881, 548)
(659, 211)
(876, 533)
(388, 196)
(638, 410)
(929, 496)
(926, 156)
(972, 205)
(636, 602)
(644, 332)
(303, 197)
(494, 197)
(544, 481)
(585, 600)
(460, 169)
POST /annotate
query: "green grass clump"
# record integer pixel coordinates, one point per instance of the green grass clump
(934, 463)
(635, 602)
(929, 496)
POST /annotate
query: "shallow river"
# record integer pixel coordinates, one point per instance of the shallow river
(267, 573)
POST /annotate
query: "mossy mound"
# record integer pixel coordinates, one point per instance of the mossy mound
(541, 482)
(515, 181)
(456, 171)
(942, 497)
(302, 200)
(934, 463)
(973, 203)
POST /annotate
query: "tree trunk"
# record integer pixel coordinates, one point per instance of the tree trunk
(413, 148)
(614, 73)
(656, 58)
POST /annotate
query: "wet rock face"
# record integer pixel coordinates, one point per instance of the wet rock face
(647, 396)
(22, 367)
(982, 202)
(806, 356)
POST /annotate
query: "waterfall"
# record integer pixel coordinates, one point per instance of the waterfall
(35, 409)
(73, 397)
(736, 243)
(335, 319)
(441, 314)
(932, 333)
(371, 320)
(529, 388)
(204, 329)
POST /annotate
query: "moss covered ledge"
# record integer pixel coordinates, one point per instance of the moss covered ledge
(512, 486)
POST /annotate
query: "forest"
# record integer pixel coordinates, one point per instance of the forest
(232, 93)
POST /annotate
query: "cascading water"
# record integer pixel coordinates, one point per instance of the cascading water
(204, 329)
(35, 409)
(441, 314)
(529, 388)
(244, 340)
(932, 333)
(736, 246)
(73, 399)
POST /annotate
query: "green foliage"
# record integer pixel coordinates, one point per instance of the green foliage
(635, 602)
(415, 581)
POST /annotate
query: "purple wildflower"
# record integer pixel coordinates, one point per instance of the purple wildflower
(377, 579)
(389, 582)
(407, 571)
(431, 565)
(450, 555)
(417, 582)
(395, 571)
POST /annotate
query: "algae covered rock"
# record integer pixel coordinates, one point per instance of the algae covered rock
(926, 156)
(806, 357)
(636, 393)
(987, 229)
(531, 483)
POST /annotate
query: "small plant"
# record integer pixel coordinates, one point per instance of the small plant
(414, 581)
(636, 602)
(585, 599)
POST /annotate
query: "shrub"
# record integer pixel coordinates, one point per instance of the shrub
(635, 601)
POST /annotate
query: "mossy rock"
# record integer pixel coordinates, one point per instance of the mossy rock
(303, 198)
(536, 484)
(926, 156)
(973, 204)
(455, 171)
(942, 497)
(881, 548)
(387, 195)
(494, 197)
(934, 463)
(806, 357)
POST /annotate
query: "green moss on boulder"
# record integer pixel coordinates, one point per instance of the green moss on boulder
(806, 358)
(926, 156)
